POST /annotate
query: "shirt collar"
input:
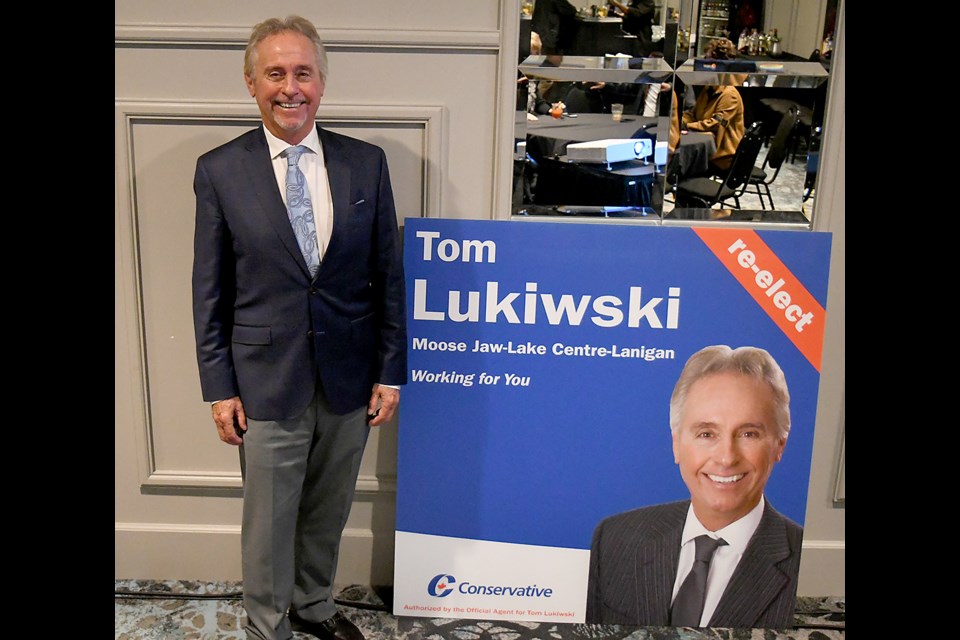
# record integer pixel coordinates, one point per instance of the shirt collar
(277, 146)
(736, 534)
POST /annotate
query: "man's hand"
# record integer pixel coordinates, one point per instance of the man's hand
(386, 399)
(230, 419)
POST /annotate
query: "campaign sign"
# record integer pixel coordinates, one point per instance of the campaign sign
(542, 359)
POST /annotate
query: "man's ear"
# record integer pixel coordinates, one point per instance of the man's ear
(780, 447)
(676, 449)
(251, 89)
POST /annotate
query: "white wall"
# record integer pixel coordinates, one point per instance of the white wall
(799, 23)
(431, 82)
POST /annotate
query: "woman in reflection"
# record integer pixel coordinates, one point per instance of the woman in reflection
(719, 109)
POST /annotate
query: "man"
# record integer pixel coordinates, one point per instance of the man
(638, 21)
(555, 22)
(729, 419)
(300, 325)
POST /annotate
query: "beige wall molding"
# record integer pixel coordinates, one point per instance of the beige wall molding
(822, 570)
(162, 35)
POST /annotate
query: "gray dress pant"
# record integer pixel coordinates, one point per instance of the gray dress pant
(299, 478)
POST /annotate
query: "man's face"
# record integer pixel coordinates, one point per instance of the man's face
(287, 85)
(726, 445)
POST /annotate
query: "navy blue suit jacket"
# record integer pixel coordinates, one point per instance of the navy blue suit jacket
(633, 566)
(265, 331)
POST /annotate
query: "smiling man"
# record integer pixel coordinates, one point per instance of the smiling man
(300, 321)
(729, 421)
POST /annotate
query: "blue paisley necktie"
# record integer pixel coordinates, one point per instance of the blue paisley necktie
(300, 209)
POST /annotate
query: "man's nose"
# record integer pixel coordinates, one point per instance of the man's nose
(290, 85)
(727, 452)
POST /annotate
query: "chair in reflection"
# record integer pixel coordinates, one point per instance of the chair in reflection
(705, 192)
(763, 176)
(813, 162)
(801, 134)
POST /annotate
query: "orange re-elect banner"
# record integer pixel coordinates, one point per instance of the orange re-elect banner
(772, 285)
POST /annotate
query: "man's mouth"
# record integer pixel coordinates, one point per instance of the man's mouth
(726, 479)
(289, 105)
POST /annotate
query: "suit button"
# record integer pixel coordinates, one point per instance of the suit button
(310, 333)
(313, 291)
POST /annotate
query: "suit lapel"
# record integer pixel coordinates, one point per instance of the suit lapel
(338, 175)
(757, 580)
(657, 560)
(259, 171)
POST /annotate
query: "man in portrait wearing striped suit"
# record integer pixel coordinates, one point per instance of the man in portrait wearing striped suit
(729, 420)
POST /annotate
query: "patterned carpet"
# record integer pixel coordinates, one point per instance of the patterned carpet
(190, 610)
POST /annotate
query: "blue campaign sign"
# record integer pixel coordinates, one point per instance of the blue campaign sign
(542, 358)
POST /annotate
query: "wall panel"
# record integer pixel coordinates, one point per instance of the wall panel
(234, 19)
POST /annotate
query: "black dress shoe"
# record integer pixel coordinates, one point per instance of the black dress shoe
(336, 627)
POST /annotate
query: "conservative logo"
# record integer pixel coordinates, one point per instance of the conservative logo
(442, 585)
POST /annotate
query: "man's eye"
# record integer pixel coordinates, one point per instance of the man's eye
(274, 76)
(704, 434)
(303, 76)
(750, 434)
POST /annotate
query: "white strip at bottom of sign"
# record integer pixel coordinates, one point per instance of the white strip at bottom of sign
(443, 577)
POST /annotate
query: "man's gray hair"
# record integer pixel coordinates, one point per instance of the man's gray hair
(273, 26)
(750, 361)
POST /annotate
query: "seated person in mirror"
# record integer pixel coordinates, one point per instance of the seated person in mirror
(719, 109)
(530, 91)
(674, 135)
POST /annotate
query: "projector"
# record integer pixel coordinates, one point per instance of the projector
(610, 150)
(660, 152)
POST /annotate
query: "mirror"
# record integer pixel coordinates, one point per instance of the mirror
(599, 85)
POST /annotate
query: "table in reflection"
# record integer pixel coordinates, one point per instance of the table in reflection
(548, 137)
(693, 153)
(623, 184)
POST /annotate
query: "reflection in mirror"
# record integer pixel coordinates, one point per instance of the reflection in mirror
(602, 90)
(589, 129)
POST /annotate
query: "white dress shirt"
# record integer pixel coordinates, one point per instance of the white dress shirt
(725, 558)
(315, 171)
(651, 94)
